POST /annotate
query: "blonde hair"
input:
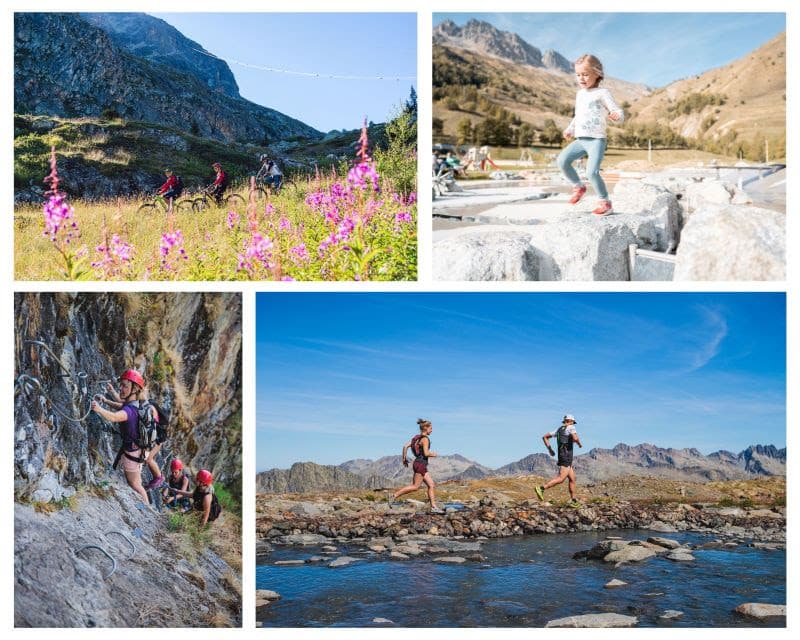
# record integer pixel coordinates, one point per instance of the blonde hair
(594, 64)
(423, 423)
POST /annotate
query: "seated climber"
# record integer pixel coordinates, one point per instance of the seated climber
(203, 497)
(177, 479)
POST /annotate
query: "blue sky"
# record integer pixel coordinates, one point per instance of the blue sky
(346, 375)
(353, 44)
(651, 48)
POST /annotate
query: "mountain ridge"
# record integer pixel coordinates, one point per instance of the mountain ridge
(598, 464)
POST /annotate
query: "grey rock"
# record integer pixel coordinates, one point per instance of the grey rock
(342, 562)
(382, 621)
(732, 243)
(450, 560)
(396, 555)
(630, 553)
(761, 611)
(664, 542)
(595, 620)
(303, 539)
(680, 556)
(671, 614)
(611, 584)
(288, 563)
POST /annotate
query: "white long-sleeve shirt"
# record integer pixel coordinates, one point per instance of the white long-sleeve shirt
(592, 107)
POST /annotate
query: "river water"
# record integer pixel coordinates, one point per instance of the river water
(523, 582)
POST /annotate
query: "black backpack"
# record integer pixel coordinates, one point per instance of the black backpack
(178, 188)
(146, 426)
(216, 508)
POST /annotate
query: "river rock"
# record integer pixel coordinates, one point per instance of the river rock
(396, 555)
(342, 562)
(761, 611)
(732, 243)
(664, 542)
(266, 595)
(595, 620)
(303, 539)
(611, 584)
(662, 527)
(451, 560)
(630, 553)
(680, 555)
(288, 563)
(382, 621)
(670, 614)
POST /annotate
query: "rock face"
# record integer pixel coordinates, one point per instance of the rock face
(188, 347)
(77, 585)
(156, 41)
(65, 65)
(307, 476)
(732, 243)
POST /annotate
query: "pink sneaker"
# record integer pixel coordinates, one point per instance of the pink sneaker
(603, 208)
(155, 483)
(577, 194)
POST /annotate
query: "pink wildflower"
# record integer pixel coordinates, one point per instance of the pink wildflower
(233, 219)
(284, 224)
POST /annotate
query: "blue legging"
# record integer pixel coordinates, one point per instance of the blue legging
(595, 149)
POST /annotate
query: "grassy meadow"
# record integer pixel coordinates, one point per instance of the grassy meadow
(329, 228)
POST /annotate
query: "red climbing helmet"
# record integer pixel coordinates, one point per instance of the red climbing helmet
(175, 465)
(133, 376)
(204, 477)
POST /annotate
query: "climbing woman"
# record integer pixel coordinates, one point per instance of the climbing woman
(177, 479)
(131, 384)
(420, 447)
(203, 497)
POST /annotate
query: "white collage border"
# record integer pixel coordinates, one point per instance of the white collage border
(425, 10)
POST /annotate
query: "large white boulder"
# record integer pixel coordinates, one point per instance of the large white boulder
(732, 243)
(573, 249)
(703, 193)
(653, 212)
(595, 620)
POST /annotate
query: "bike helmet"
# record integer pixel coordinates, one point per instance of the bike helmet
(167, 170)
(175, 465)
(262, 157)
(217, 164)
(204, 477)
(133, 376)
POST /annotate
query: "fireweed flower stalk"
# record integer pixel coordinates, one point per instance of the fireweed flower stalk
(172, 251)
(115, 258)
(61, 226)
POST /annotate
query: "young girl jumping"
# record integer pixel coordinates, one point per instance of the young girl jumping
(588, 128)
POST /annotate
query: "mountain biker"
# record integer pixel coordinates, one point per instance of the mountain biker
(217, 188)
(269, 173)
(171, 188)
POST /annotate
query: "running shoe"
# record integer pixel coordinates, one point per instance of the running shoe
(155, 483)
(604, 208)
(574, 503)
(437, 510)
(539, 492)
(577, 194)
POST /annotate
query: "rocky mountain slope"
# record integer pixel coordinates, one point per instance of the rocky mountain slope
(188, 347)
(745, 97)
(83, 66)
(160, 43)
(478, 61)
(597, 465)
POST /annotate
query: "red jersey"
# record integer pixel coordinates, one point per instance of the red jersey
(171, 183)
(222, 179)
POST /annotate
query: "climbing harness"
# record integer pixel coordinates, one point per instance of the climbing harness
(107, 554)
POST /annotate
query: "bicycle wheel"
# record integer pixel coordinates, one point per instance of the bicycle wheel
(234, 200)
(185, 206)
(148, 207)
(201, 204)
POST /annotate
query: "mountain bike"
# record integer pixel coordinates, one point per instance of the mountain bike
(159, 203)
(264, 188)
(206, 201)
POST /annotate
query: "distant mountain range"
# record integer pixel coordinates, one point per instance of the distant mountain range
(594, 466)
(477, 68)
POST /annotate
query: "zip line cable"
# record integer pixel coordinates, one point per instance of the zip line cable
(306, 74)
